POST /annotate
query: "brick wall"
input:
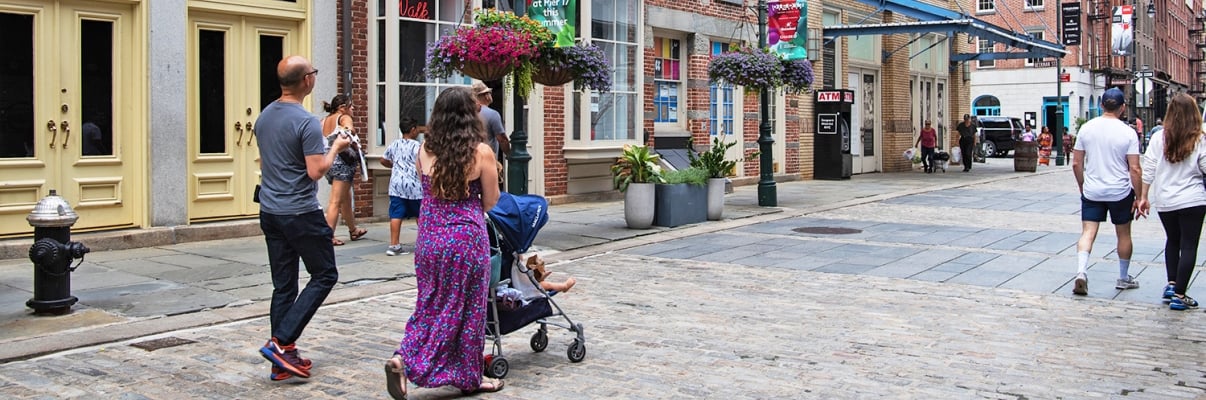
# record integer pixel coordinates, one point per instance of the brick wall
(556, 171)
(363, 191)
(895, 110)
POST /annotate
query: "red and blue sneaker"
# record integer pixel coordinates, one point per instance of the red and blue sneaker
(285, 359)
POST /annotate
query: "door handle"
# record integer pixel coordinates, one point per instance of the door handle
(54, 132)
(252, 130)
(239, 127)
(66, 134)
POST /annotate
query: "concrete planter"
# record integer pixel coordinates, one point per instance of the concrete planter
(639, 205)
(716, 190)
(680, 204)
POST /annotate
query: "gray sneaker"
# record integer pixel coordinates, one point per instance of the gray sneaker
(395, 250)
(1128, 283)
(1081, 285)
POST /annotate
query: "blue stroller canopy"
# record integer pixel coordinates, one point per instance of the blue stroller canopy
(519, 218)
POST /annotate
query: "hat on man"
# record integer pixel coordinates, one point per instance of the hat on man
(1112, 99)
(480, 87)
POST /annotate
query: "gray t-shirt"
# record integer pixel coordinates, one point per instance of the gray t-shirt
(286, 134)
(494, 127)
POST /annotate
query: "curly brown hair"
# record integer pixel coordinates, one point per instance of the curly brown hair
(1182, 128)
(452, 138)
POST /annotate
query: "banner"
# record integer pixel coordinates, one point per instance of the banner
(786, 29)
(1122, 31)
(1070, 29)
(559, 16)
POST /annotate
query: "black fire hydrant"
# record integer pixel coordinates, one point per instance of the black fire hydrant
(52, 254)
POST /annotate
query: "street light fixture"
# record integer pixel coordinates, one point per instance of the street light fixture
(1151, 8)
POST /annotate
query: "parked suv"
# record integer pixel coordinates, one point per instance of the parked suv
(997, 134)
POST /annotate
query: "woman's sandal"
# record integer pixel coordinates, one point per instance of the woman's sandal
(395, 378)
(357, 234)
(336, 242)
(486, 387)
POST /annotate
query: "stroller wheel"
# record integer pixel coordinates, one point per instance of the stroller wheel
(497, 367)
(540, 341)
(577, 351)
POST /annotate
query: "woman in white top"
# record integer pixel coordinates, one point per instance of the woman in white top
(1173, 174)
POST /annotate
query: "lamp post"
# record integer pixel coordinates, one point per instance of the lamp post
(767, 196)
(517, 171)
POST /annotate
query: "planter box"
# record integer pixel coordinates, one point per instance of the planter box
(680, 204)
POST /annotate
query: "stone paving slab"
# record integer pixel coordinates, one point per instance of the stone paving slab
(664, 329)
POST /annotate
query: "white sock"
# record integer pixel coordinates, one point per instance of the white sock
(1082, 262)
(1124, 266)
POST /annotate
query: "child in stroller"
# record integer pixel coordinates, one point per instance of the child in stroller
(536, 264)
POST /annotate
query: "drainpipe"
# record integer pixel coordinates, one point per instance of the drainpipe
(345, 57)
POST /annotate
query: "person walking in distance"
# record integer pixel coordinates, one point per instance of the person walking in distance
(927, 140)
(292, 159)
(446, 333)
(405, 194)
(1174, 163)
(1105, 161)
(342, 172)
(967, 140)
(495, 134)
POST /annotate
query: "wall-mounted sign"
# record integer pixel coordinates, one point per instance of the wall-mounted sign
(786, 28)
(827, 124)
(1122, 30)
(1070, 28)
(559, 16)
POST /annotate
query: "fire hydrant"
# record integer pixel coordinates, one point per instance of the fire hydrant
(52, 254)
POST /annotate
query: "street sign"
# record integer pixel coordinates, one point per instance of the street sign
(1144, 74)
(1070, 28)
(1065, 77)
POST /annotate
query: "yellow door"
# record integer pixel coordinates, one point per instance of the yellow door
(232, 77)
(69, 120)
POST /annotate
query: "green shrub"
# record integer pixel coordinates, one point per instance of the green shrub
(691, 176)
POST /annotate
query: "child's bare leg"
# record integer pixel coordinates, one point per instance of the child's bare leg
(395, 229)
(560, 287)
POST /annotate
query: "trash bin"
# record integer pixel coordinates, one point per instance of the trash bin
(1025, 156)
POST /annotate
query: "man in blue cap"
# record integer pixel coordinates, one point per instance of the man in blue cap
(1105, 161)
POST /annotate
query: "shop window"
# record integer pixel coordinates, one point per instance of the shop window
(721, 101)
(667, 78)
(986, 106)
(614, 116)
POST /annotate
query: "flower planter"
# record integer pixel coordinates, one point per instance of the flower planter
(552, 76)
(680, 204)
(639, 205)
(716, 189)
(485, 72)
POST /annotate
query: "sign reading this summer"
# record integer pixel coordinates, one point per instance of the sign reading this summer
(786, 32)
(557, 15)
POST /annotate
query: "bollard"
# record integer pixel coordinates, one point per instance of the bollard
(52, 254)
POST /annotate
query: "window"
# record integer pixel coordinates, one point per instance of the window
(667, 79)
(986, 6)
(720, 102)
(401, 88)
(1034, 4)
(986, 105)
(1035, 61)
(986, 46)
(614, 27)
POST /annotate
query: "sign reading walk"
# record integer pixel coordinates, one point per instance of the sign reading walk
(559, 16)
(786, 29)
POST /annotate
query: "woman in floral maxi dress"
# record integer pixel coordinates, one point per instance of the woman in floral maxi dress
(1045, 143)
(445, 334)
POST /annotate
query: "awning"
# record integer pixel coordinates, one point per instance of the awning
(931, 18)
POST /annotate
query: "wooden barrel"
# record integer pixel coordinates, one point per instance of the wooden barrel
(1025, 156)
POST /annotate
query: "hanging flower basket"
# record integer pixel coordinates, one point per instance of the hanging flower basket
(552, 76)
(797, 76)
(755, 69)
(485, 72)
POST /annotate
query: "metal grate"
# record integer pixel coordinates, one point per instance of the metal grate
(162, 343)
(827, 230)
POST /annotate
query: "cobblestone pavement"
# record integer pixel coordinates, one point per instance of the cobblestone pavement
(663, 328)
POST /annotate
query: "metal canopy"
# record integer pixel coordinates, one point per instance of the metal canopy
(936, 19)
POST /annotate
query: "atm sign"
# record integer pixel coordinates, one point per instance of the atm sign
(835, 97)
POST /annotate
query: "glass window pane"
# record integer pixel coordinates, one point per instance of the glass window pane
(381, 51)
(453, 11)
(96, 88)
(381, 134)
(16, 86)
(272, 50)
(212, 90)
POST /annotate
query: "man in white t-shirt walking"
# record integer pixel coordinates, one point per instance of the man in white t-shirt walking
(1105, 161)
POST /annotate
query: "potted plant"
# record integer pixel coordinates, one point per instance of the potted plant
(583, 64)
(499, 44)
(713, 162)
(682, 198)
(797, 76)
(752, 68)
(635, 173)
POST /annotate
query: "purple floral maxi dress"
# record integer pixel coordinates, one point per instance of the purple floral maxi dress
(447, 331)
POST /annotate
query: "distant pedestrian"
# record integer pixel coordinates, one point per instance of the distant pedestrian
(343, 171)
(405, 193)
(1028, 134)
(446, 332)
(927, 140)
(1045, 142)
(967, 140)
(291, 160)
(1105, 161)
(1069, 142)
(495, 133)
(1174, 164)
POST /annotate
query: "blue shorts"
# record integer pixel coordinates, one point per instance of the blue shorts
(400, 208)
(1120, 211)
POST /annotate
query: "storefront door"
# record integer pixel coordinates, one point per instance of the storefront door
(864, 143)
(232, 76)
(70, 93)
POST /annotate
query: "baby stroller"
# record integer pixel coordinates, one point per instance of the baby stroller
(516, 298)
(939, 159)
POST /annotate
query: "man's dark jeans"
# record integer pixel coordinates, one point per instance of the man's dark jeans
(965, 147)
(289, 238)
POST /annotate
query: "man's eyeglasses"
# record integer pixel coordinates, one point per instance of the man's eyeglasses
(314, 72)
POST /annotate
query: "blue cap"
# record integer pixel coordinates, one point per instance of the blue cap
(1112, 99)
